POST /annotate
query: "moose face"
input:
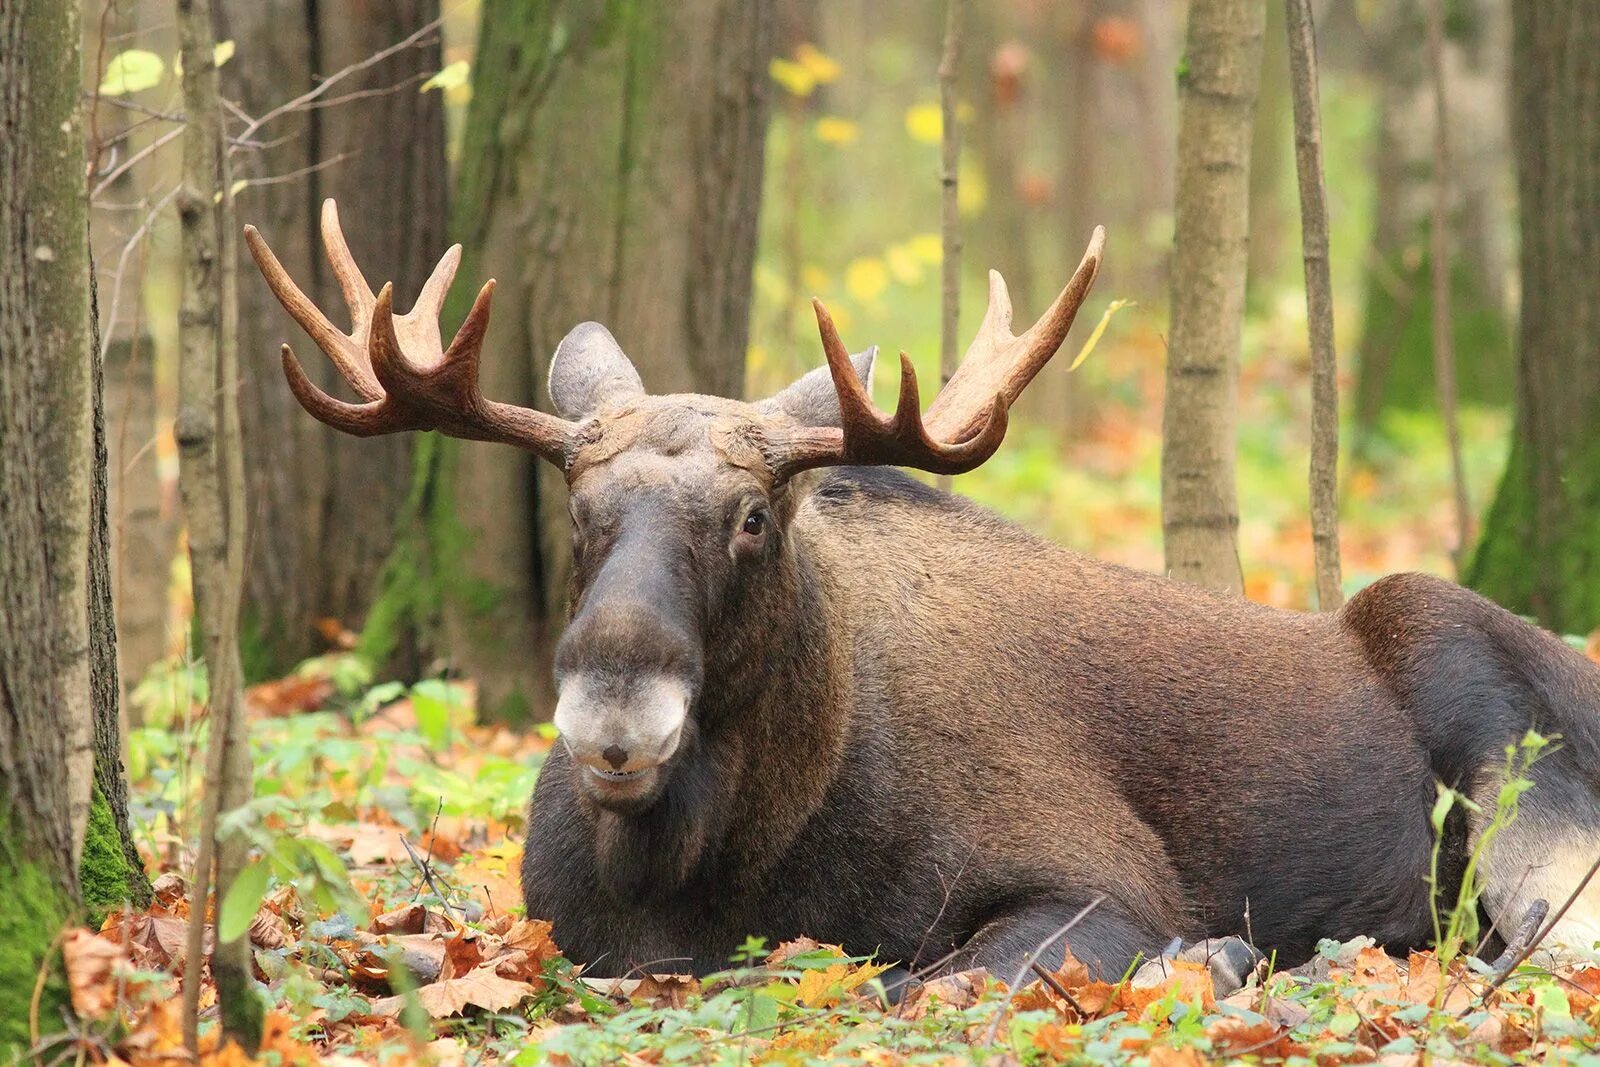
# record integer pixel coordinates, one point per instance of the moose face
(679, 525)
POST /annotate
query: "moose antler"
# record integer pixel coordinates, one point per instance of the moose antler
(967, 420)
(397, 364)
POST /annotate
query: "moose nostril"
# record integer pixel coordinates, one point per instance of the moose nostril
(616, 756)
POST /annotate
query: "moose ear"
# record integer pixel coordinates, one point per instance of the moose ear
(589, 369)
(813, 401)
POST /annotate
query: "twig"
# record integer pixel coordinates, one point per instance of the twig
(1524, 936)
(426, 867)
(1033, 958)
(337, 76)
(1060, 990)
(1444, 358)
(133, 160)
(122, 265)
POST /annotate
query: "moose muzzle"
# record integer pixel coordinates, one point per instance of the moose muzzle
(620, 730)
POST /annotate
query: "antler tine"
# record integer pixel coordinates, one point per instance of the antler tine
(363, 420)
(967, 420)
(352, 283)
(999, 363)
(345, 351)
(431, 300)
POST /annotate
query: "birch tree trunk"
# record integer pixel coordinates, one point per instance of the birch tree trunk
(1217, 92)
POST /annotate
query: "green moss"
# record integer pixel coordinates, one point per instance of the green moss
(1557, 582)
(33, 908)
(104, 876)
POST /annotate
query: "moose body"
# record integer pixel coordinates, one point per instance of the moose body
(960, 735)
(801, 695)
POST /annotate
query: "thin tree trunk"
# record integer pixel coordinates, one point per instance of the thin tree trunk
(208, 461)
(1302, 38)
(1199, 498)
(949, 201)
(1540, 551)
(121, 876)
(46, 442)
(643, 216)
(1444, 358)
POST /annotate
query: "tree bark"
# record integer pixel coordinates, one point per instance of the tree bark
(1217, 90)
(210, 480)
(324, 507)
(641, 215)
(46, 438)
(1540, 551)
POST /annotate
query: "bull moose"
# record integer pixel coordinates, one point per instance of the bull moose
(802, 694)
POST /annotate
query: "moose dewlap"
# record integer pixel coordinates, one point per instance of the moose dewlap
(800, 695)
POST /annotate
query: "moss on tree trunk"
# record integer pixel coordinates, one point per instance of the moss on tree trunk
(1540, 552)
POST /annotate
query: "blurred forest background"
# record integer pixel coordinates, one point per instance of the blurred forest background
(691, 174)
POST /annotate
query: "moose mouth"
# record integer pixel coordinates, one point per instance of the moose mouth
(618, 776)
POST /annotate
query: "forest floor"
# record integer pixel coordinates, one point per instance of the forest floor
(388, 928)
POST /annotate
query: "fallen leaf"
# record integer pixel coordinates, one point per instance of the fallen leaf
(960, 990)
(788, 950)
(667, 990)
(825, 987)
(481, 988)
(90, 962)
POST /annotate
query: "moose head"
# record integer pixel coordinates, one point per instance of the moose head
(681, 505)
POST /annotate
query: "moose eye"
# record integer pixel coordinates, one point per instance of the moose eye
(755, 523)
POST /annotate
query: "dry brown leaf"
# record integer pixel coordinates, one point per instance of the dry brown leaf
(91, 961)
(667, 990)
(960, 990)
(288, 696)
(1167, 1056)
(422, 955)
(463, 952)
(481, 988)
(788, 950)
(1265, 1040)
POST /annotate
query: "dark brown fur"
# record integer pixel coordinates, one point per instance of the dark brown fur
(919, 728)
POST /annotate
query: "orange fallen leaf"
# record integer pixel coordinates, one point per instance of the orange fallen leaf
(481, 988)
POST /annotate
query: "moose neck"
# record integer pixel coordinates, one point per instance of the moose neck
(770, 728)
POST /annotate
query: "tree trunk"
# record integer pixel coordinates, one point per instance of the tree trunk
(642, 214)
(324, 507)
(1394, 365)
(1540, 551)
(1217, 87)
(46, 438)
